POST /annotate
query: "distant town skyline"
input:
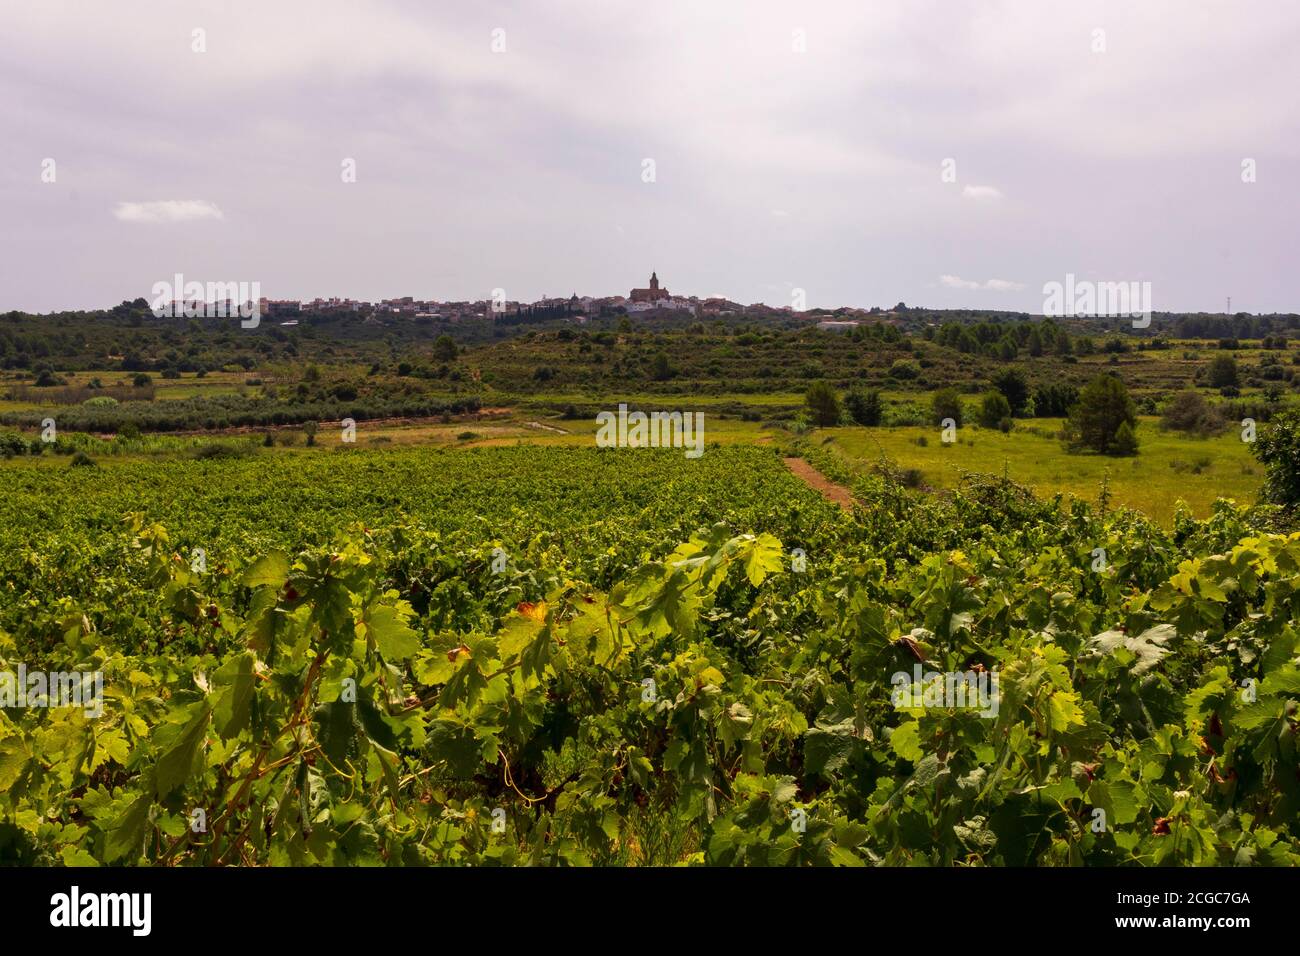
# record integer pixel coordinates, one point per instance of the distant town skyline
(947, 156)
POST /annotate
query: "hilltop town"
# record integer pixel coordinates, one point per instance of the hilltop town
(645, 302)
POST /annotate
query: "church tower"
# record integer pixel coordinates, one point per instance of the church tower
(655, 293)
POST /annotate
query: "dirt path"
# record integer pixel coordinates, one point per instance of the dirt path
(546, 428)
(832, 492)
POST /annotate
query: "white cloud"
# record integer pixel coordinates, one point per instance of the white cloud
(982, 193)
(991, 285)
(167, 210)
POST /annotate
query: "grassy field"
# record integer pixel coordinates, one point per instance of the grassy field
(1171, 468)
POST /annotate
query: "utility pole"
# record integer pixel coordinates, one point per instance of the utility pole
(1230, 305)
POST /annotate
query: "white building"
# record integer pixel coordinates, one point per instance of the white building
(674, 302)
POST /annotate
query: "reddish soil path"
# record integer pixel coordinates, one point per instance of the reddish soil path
(832, 492)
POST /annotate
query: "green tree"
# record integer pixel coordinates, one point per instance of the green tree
(1278, 448)
(1054, 400)
(994, 410)
(1035, 343)
(1125, 442)
(444, 348)
(1011, 383)
(1094, 423)
(661, 368)
(864, 407)
(1222, 372)
(823, 404)
(945, 404)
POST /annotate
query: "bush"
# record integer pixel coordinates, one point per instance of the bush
(100, 401)
(904, 414)
(1094, 423)
(823, 405)
(1189, 412)
(946, 404)
(905, 370)
(218, 451)
(1222, 372)
(12, 443)
(81, 460)
(141, 379)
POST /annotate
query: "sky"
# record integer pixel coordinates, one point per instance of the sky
(945, 153)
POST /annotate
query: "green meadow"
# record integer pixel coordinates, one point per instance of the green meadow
(1170, 470)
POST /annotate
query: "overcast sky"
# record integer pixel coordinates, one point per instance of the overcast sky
(773, 169)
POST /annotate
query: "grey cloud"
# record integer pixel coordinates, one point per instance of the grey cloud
(522, 169)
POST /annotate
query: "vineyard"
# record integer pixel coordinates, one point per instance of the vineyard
(573, 656)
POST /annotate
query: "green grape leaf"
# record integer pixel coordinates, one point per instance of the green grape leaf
(270, 570)
(176, 763)
(387, 626)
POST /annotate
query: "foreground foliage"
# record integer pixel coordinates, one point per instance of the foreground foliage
(649, 679)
